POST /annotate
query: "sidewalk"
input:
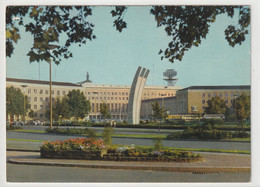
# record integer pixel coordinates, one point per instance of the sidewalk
(214, 162)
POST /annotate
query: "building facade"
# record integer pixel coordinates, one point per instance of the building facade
(116, 96)
(193, 100)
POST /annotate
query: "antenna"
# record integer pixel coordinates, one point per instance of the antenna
(170, 73)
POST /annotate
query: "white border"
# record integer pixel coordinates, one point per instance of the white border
(255, 85)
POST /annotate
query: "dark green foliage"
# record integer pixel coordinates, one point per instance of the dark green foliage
(119, 23)
(186, 25)
(158, 112)
(57, 130)
(106, 135)
(157, 144)
(90, 133)
(216, 106)
(189, 25)
(207, 131)
(47, 24)
(104, 111)
(15, 102)
(78, 105)
(242, 107)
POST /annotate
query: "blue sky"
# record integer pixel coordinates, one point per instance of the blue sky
(114, 57)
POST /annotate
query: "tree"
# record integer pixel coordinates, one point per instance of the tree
(60, 109)
(47, 24)
(104, 111)
(78, 105)
(16, 102)
(158, 112)
(106, 135)
(241, 107)
(216, 106)
(187, 26)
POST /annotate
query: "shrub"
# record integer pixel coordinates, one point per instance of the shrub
(157, 144)
(107, 133)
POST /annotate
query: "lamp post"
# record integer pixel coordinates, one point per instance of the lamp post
(24, 86)
(235, 107)
(51, 47)
(95, 107)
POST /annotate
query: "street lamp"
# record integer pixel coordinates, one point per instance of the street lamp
(95, 107)
(235, 107)
(51, 47)
(24, 86)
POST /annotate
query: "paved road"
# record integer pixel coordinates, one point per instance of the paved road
(128, 141)
(27, 173)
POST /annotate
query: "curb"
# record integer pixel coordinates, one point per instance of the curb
(198, 170)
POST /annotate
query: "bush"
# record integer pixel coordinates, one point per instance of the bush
(107, 133)
(207, 131)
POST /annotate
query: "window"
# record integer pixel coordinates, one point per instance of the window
(35, 91)
(52, 92)
(46, 99)
(92, 107)
(41, 91)
(58, 92)
(35, 114)
(115, 93)
(220, 94)
(203, 95)
(35, 98)
(226, 94)
(123, 98)
(64, 92)
(226, 101)
(232, 94)
(203, 101)
(209, 95)
(41, 115)
(29, 98)
(46, 91)
(214, 94)
(41, 107)
(35, 107)
(41, 99)
(46, 107)
(29, 91)
(203, 108)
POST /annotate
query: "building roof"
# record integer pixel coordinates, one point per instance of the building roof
(234, 87)
(41, 82)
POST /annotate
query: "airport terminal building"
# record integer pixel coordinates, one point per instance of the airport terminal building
(116, 96)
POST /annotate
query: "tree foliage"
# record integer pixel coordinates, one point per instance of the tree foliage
(216, 106)
(47, 24)
(15, 102)
(104, 111)
(186, 25)
(78, 105)
(242, 106)
(158, 112)
(60, 109)
(189, 25)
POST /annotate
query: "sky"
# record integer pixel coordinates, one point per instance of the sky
(114, 57)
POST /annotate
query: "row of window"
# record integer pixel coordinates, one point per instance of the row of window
(106, 93)
(108, 98)
(226, 101)
(237, 94)
(35, 91)
(160, 94)
(111, 107)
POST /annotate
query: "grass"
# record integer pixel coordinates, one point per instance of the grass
(132, 135)
(33, 131)
(25, 140)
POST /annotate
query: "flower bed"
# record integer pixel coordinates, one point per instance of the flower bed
(89, 149)
(132, 154)
(74, 149)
